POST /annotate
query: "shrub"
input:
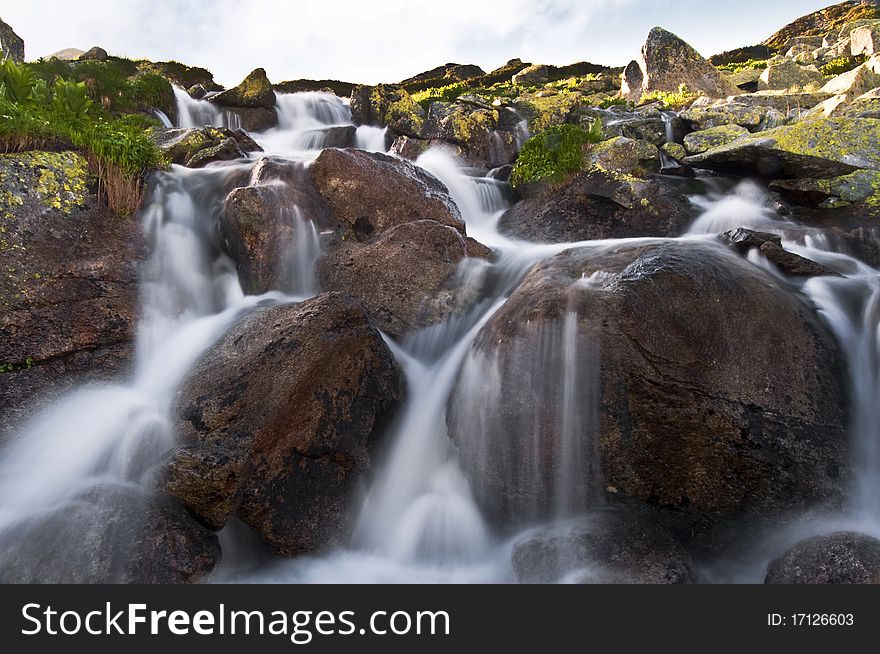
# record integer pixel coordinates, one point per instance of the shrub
(554, 154)
(735, 67)
(841, 65)
(35, 116)
(672, 100)
(449, 93)
(612, 101)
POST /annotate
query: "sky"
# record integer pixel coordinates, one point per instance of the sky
(386, 40)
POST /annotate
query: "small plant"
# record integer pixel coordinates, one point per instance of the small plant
(449, 93)
(612, 101)
(751, 64)
(841, 65)
(554, 154)
(672, 100)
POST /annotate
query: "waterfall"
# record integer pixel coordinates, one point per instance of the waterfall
(201, 113)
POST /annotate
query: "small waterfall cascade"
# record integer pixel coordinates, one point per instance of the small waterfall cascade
(202, 113)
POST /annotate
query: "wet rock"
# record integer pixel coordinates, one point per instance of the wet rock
(604, 546)
(666, 406)
(473, 130)
(817, 148)
(122, 535)
(371, 192)
(624, 155)
(770, 246)
(666, 62)
(787, 75)
(713, 137)
(860, 186)
(256, 119)
(387, 105)
(255, 91)
(406, 278)
(597, 204)
(197, 147)
(68, 293)
(840, 558)
(11, 44)
(290, 404)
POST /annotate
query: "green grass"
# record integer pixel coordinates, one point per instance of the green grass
(672, 100)
(751, 64)
(554, 154)
(612, 101)
(841, 65)
(35, 115)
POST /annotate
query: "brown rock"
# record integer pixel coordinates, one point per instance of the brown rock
(841, 558)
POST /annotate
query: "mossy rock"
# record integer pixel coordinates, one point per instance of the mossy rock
(545, 109)
(620, 154)
(862, 186)
(821, 148)
(733, 113)
(255, 91)
(59, 180)
(697, 142)
(387, 105)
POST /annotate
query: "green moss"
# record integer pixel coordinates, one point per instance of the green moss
(551, 155)
(849, 140)
(841, 65)
(673, 100)
(751, 64)
(62, 180)
(697, 142)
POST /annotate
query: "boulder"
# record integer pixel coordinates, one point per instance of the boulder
(11, 44)
(738, 55)
(666, 63)
(865, 40)
(603, 546)
(597, 204)
(196, 147)
(860, 186)
(123, 535)
(272, 221)
(94, 54)
(770, 246)
(472, 129)
(255, 119)
(713, 137)
(371, 192)
(255, 91)
(732, 113)
(68, 293)
(531, 76)
(623, 155)
(387, 105)
(856, 82)
(823, 147)
(406, 277)
(671, 373)
(67, 54)
(280, 419)
(841, 558)
(788, 75)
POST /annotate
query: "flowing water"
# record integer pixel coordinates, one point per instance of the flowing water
(417, 519)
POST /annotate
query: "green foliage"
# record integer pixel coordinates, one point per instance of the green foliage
(841, 65)
(554, 154)
(612, 101)
(751, 64)
(676, 100)
(35, 116)
(449, 93)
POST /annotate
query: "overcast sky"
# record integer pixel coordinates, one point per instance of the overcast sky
(386, 40)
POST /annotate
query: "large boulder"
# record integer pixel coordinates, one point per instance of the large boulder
(712, 137)
(857, 81)
(860, 186)
(597, 204)
(95, 53)
(279, 421)
(823, 147)
(122, 535)
(603, 546)
(531, 76)
(667, 62)
(387, 105)
(68, 292)
(473, 130)
(865, 41)
(196, 147)
(11, 44)
(670, 373)
(255, 91)
(788, 75)
(406, 278)
(745, 241)
(371, 192)
(841, 558)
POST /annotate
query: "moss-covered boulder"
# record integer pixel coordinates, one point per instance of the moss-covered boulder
(387, 105)
(697, 142)
(531, 76)
(473, 129)
(729, 113)
(788, 75)
(255, 91)
(820, 148)
(68, 287)
(197, 147)
(667, 62)
(546, 108)
(623, 155)
(860, 186)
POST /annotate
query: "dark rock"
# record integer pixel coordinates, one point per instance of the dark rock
(701, 386)
(371, 192)
(110, 535)
(604, 546)
(94, 54)
(68, 295)
(739, 55)
(282, 415)
(666, 62)
(405, 278)
(343, 136)
(255, 91)
(256, 119)
(841, 558)
(770, 245)
(196, 147)
(597, 204)
(387, 105)
(342, 89)
(473, 129)
(11, 44)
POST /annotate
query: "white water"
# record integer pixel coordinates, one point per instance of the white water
(418, 520)
(202, 113)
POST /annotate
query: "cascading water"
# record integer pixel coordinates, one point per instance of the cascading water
(201, 113)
